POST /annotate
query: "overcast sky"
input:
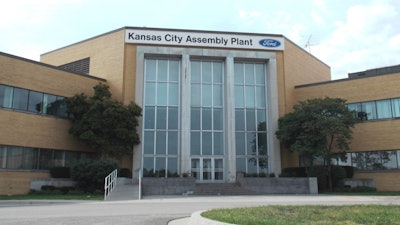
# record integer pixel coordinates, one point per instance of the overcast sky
(348, 35)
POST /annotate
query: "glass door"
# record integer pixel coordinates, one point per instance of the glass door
(207, 169)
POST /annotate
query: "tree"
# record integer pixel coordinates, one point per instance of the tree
(317, 128)
(106, 125)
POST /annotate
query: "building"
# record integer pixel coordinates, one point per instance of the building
(374, 95)
(211, 102)
(34, 127)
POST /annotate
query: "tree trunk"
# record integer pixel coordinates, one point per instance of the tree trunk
(328, 161)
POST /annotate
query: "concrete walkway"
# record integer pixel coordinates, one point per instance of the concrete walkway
(157, 210)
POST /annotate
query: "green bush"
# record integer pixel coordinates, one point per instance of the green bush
(349, 171)
(60, 172)
(363, 189)
(48, 188)
(321, 173)
(338, 175)
(89, 174)
(64, 190)
(294, 172)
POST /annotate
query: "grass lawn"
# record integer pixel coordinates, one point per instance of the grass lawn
(310, 215)
(55, 195)
(376, 193)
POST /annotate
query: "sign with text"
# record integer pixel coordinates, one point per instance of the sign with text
(197, 39)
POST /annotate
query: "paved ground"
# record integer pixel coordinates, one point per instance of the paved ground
(155, 210)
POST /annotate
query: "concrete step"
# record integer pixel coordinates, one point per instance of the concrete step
(221, 189)
(124, 192)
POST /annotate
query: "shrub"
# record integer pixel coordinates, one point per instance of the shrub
(48, 188)
(349, 171)
(321, 173)
(338, 175)
(60, 172)
(64, 190)
(89, 174)
(294, 172)
(363, 189)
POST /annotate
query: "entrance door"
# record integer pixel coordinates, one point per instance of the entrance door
(207, 169)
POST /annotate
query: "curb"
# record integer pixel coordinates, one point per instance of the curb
(34, 202)
(196, 219)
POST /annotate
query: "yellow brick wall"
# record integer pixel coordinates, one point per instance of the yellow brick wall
(300, 68)
(29, 130)
(384, 181)
(296, 67)
(106, 54)
(354, 90)
(17, 183)
(39, 131)
(35, 76)
(129, 73)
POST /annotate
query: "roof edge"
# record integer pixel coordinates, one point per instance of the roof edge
(50, 66)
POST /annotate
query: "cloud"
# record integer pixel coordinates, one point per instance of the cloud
(317, 18)
(368, 38)
(320, 4)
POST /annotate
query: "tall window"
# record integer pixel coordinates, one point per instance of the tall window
(20, 99)
(6, 93)
(206, 120)
(161, 117)
(206, 108)
(383, 109)
(250, 118)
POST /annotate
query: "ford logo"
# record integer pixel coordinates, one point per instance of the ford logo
(270, 43)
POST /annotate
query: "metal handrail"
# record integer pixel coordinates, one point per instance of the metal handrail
(110, 182)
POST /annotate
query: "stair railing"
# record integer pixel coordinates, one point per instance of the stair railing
(110, 182)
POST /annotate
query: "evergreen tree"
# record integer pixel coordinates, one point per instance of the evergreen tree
(106, 125)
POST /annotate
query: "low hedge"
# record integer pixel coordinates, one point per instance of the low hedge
(60, 172)
(321, 172)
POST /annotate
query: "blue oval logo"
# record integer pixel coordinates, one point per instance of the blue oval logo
(269, 43)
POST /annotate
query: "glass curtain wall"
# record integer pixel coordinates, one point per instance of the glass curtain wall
(250, 118)
(206, 123)
(161, 117)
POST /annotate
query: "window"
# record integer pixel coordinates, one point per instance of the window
(35, 102)
(206, 117)
(32, 101)
(6, 94)
(250, 117)
(396, 107)
(23, 158)
(375, 160)
(161, 117)
(383, 109)
(368, 161)
(210, 100)
(373, 110)
(20, 99)
(369, 110)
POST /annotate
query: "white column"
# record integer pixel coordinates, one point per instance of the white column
(185, 115)
(273, 116)
(230, 144)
